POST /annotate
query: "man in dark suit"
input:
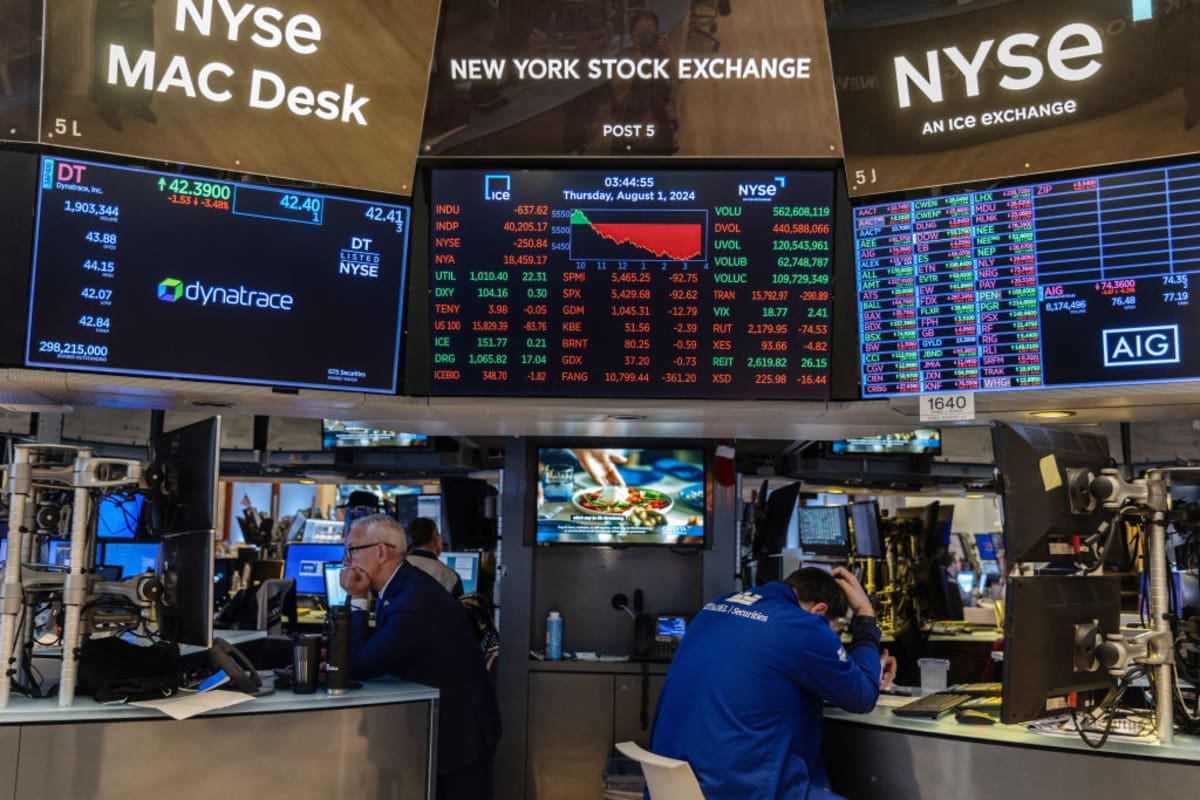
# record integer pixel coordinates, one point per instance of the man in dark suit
(423, 635)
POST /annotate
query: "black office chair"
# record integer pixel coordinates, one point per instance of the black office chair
(703, 21)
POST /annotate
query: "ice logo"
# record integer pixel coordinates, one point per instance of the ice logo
(170, 290)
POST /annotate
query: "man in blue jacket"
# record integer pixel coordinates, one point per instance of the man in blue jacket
(422, 634)
(742, 701)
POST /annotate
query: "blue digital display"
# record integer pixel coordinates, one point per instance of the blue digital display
(983, 543)
(1074, 282)
(467, 567)
(133, 558)
(306, 563)
(118, 516)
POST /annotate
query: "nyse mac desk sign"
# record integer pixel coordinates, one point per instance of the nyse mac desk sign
(981, 91)
(147, 273)
(326, 92)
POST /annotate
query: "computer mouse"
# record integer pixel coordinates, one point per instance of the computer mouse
(973, 716)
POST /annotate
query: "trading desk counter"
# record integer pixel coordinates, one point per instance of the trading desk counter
(374, 742)
(881, 755)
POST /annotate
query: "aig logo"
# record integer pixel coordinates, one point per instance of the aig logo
(1130, 347)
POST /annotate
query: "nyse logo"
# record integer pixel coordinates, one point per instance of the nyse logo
(1070, 54)
(358, 259)
(497, 187)
(744, 598)
(761, 191)
(1131, 347)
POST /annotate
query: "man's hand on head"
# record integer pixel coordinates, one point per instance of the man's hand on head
(355, 582)
(856, 597)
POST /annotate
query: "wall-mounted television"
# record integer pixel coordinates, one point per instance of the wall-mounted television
(339, 433)
(1066, 282)
(161, 274)
(622, 495)
(923, 441)
(631, 283)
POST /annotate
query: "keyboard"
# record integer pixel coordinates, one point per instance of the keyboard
(932, 705)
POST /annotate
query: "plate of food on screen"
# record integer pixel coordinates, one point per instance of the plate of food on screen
(619, 501)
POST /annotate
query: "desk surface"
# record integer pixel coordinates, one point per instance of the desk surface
(382, 691)
(1185, 748)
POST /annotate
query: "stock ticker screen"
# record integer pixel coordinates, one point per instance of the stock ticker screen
(1075, 282)
(159, 274)
(631, 284)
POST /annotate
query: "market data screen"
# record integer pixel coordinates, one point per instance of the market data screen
(1067, 283)
(631, 284)
(149, 273)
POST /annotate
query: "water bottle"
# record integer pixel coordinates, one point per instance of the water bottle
(337, 664)
(554, 637)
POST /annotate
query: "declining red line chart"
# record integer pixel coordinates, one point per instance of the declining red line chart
(638, 235)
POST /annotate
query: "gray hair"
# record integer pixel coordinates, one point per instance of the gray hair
(384, 529)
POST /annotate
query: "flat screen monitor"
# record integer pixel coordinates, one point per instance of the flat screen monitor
(467, 567)
(923, 441)
(670, 628)
(983, 543)
(251, 283)
(631, 283)
(1040, 675)
(824, 530)
(864, 519)
(306, 563)
(335, 595)
(1067, 283)
(133, 558)
(4, 549)
(966, 581)
(642, 496)
(57, 552)
(187, 460)
(929, 532)
(430, 507)
(117, 516)
(338, 433)
(185, 570)
(1044, 475)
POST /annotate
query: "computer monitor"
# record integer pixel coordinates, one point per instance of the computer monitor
(185, 570)
(824, 530)
(133, 558)
(929, 534)
(864, 519)
(265, 569)
(465, 519)
(945, 525)
(185, 463)
(1044, 474)
(306, 564)
(467, 567)
(3, 550)
(983, 544)
(335, 595)
(430, 507)
(966, 581)
(117, 516)
(57, 552)
(1041, 674)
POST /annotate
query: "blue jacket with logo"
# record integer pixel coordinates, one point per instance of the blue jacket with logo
(743, 697)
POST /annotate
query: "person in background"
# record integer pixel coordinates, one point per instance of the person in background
(422, 634)
(743, 698)
(427, 546)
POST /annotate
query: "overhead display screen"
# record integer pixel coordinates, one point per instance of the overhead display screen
(151, 273)
(631, 284)
(1076, 282)
(936, 93)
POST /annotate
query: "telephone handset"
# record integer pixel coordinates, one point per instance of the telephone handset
(242, 674)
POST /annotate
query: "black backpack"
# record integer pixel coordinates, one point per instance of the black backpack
(113, 669)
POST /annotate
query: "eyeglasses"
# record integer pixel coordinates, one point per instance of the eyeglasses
(350, 551)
